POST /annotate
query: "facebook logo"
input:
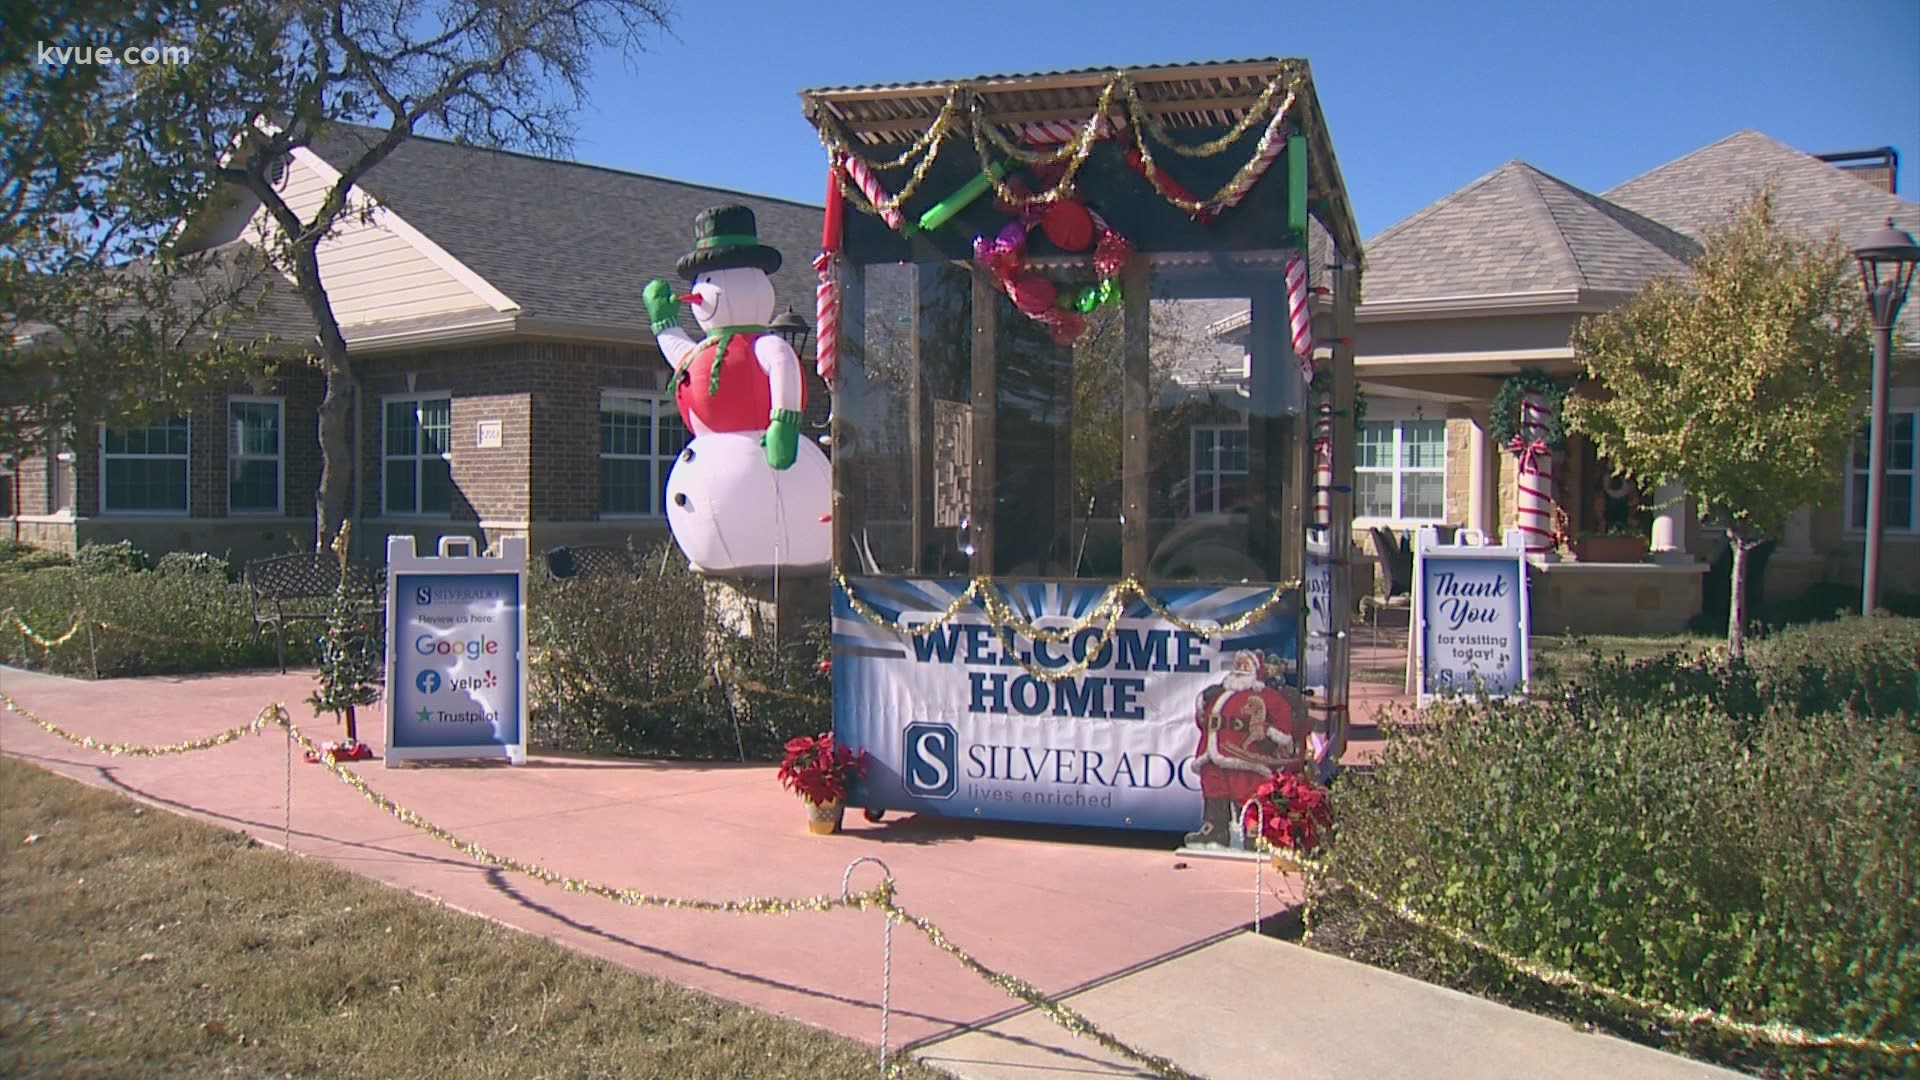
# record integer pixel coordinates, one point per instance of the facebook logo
(932, 766)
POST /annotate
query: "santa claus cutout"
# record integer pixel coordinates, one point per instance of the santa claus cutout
(1248, 731)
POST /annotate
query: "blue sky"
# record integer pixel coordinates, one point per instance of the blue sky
(1421, 98)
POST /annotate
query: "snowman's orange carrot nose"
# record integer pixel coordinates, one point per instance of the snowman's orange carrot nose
(689, 298)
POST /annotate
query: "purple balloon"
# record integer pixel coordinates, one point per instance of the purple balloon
(1012, 238)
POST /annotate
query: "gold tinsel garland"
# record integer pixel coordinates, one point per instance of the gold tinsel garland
(986, 131)
(881, 898)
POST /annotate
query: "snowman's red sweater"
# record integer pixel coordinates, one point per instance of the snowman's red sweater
(744, 400)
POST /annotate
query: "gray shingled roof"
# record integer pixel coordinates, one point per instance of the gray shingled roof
(1519, 230)
(1811, 197)
(563, 240)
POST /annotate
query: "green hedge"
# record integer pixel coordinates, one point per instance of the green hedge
(183, 618)
(1656, 845)
(626, 665)
(1867, 665)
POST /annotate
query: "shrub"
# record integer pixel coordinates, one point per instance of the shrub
(154, 624)
(16, 557)
(116, 558)
(194, 562)
(628, 665)
(1650, 849)
(1869, 665)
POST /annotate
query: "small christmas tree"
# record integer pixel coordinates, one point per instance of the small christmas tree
(347, 660)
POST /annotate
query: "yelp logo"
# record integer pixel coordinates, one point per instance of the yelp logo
(486, 680)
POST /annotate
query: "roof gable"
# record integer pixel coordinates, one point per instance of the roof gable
(1518, 230)
(1811, 198)
(570, 243)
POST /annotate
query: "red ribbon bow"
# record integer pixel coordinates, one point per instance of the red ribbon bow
(1529, 453)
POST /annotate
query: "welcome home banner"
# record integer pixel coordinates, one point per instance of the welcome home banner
(956, 722)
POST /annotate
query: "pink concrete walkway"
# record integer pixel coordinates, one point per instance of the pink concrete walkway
(1058, 908)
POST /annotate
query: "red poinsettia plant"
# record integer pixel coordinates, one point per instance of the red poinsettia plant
(1292, 812)
(819, 769)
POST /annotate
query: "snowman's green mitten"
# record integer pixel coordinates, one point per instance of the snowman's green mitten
(663, 304)
(782, 441)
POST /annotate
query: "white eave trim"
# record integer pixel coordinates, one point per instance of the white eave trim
(1501, 363)
(385, 217)
(1457, 307)
(372, 338)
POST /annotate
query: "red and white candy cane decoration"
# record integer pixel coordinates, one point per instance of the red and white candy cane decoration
(1300, 313)
(869, 186)
(1533, 479)
(826, 314)
(826, 295)
(1323, 461)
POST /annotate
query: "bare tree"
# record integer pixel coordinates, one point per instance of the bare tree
(270, 76)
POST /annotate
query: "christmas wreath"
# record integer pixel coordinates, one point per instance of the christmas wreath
(1504, 425)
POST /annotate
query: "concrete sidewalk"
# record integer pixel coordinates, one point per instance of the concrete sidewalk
(1252, 1008)
(1063, 909)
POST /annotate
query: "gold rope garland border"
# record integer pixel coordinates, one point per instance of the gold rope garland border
(1774, 1032)
(984, 129)
(881, 898)
(1106, 614)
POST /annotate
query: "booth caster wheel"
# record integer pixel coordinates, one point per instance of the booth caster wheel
(873, 815)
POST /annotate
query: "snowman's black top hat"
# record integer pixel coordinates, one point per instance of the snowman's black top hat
(726, 238)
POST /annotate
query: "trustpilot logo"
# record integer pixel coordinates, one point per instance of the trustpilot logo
(932, 766)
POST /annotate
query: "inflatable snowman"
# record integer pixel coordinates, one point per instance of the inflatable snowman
(748, 494)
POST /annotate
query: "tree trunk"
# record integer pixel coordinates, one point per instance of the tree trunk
(1737, 598)
(336, 447)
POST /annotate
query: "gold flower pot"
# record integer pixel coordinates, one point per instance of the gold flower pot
(823, 819)
(1286, 861)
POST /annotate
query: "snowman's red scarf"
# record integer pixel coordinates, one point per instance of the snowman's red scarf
(719, 337)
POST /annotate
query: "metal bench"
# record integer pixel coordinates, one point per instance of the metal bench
(299, 588)
(591, 561)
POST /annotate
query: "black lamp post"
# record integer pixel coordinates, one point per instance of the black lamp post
(1887, 260)
(793, 328)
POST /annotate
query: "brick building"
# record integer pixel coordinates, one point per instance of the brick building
(506, 378)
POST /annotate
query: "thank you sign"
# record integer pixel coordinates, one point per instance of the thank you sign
(1470, 615)
(1146, 727)
(456, 651)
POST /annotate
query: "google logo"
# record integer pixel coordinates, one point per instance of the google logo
(428, 645)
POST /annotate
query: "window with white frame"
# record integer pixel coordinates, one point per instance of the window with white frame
(1219, 469)
(1898, 494)
(254, 455)
(1400, 470)
(640, 434)
(144, 470)
(416, 450)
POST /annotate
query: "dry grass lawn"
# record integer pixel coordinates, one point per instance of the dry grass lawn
(137, 943)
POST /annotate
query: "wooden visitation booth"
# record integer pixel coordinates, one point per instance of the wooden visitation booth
(1090, 560)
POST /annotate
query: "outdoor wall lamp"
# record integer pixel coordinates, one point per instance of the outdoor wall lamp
(1887, 260)
(794, 329)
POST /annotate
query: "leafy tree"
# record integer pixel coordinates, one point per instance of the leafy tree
(99, 321)
(268, 77)
(1743, 380)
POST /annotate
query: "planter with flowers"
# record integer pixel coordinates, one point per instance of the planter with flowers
(1293, 815)
(819, 770)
